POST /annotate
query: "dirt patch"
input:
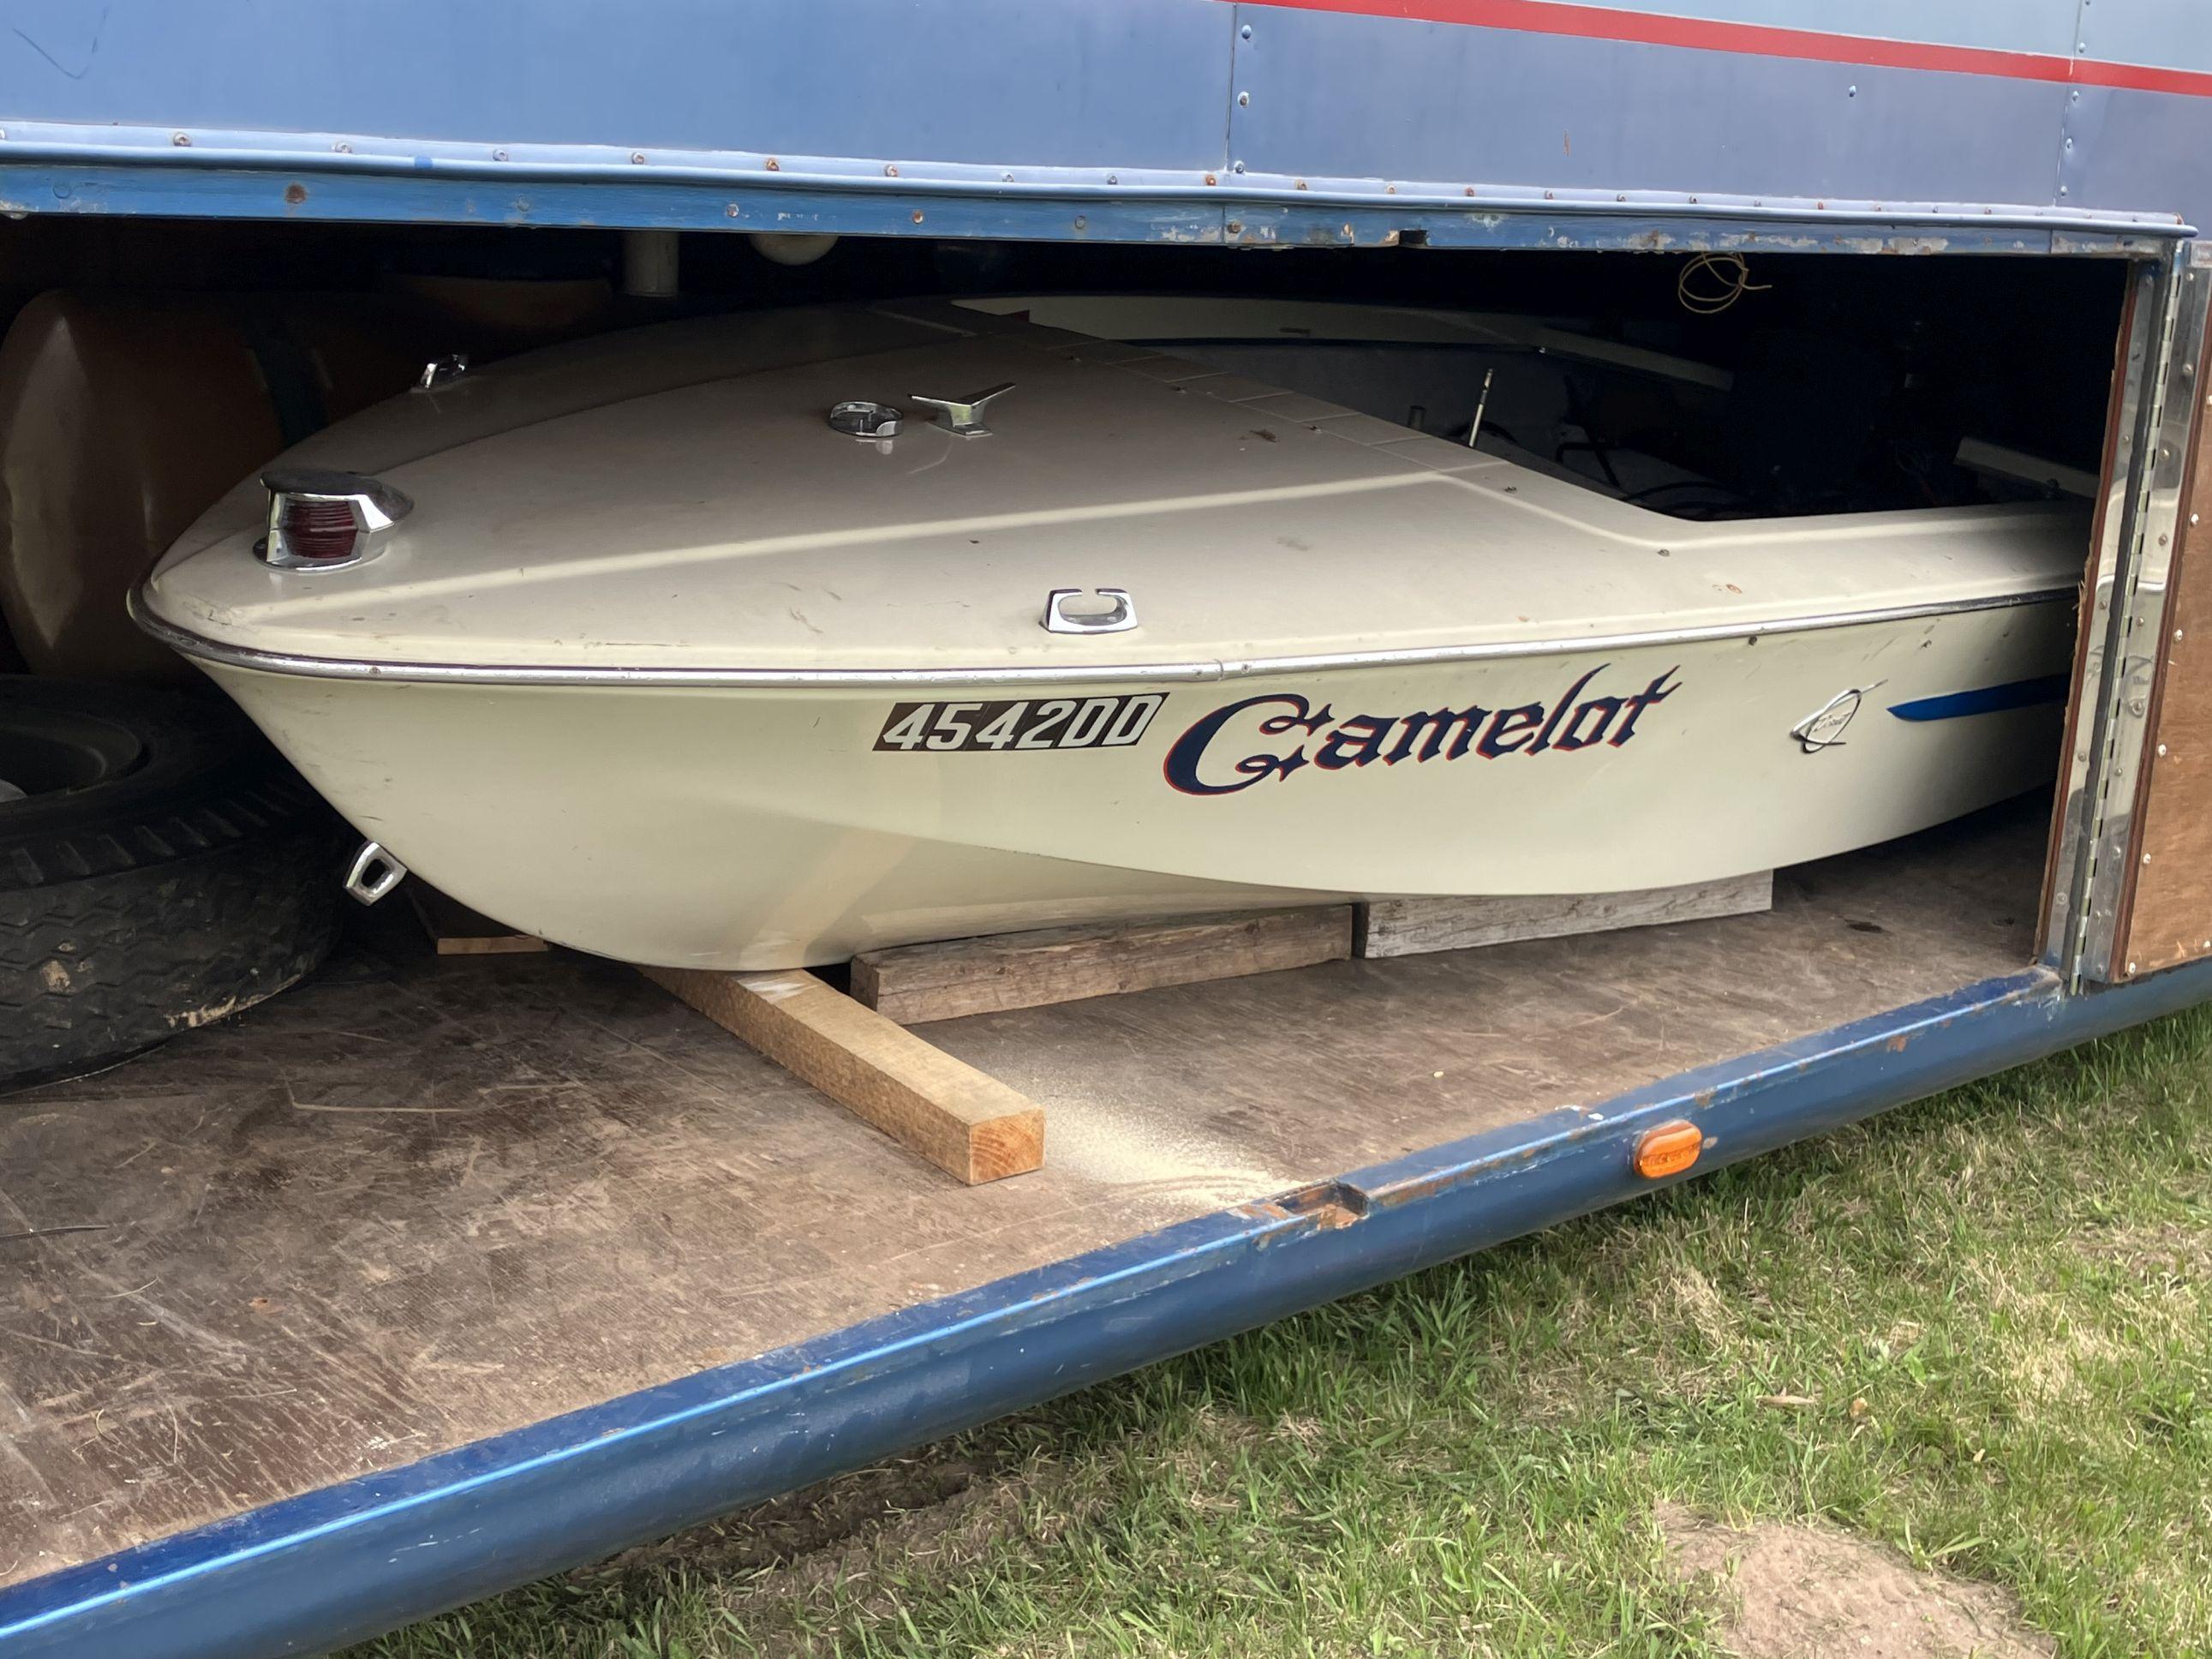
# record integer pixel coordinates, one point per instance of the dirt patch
(1797, 1592)
(866, 1579)
(792, 1572)
(2166, 1254)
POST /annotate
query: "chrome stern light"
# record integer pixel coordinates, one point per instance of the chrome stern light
(322, 520)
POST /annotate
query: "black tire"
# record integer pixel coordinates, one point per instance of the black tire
(161, 867)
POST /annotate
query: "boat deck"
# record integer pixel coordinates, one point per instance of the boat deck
(417, 1202)
(668, 501)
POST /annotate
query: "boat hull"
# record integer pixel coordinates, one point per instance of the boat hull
(737, 826)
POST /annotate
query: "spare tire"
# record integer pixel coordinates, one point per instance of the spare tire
(161, 867)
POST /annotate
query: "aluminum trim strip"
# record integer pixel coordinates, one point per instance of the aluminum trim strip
(359, 155)
(2139, 636)
(225, 654)
(2067, 920)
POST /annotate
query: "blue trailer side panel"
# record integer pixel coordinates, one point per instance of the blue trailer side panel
(2169, 31)
(1873, 110)
(1516, 106)
(2044, 26)
(1138, 82)
(345, 1562)
(2140, 144)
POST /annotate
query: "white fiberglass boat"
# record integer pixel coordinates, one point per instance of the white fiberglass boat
(626, 645)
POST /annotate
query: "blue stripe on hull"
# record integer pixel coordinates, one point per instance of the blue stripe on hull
(1988, 700)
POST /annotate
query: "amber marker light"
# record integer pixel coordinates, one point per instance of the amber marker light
(1669, 1149)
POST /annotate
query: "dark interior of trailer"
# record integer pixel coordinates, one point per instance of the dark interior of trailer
(417, 1201)
(1703, 386)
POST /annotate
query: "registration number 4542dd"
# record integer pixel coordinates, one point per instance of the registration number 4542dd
(1029, 723)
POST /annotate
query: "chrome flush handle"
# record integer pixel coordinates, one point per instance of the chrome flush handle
(861, 419)
(1119, 616)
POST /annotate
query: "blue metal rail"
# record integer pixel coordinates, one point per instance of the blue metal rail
(352, 1559)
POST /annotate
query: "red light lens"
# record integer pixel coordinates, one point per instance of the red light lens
(318, 530)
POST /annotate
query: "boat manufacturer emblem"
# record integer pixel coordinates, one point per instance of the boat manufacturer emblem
(1200, 762)
(1824, 727)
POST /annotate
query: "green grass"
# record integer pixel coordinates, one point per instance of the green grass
(1995, 1303)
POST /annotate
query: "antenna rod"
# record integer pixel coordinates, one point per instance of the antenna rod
(1480, 403)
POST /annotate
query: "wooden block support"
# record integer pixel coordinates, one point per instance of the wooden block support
(1407, 926)
(915, 983)
(458, 930)
(971, 1125)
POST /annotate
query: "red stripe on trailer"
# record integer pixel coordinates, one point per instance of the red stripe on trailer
(1766, 40)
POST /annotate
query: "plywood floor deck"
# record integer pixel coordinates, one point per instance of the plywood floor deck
(415, 1203)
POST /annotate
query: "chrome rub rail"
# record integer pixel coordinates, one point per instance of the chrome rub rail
(228, 655)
